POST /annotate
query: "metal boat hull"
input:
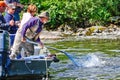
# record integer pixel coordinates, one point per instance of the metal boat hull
(27, 67)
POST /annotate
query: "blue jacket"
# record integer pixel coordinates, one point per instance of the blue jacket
(8, 17)
(17, 10)
(3, 24)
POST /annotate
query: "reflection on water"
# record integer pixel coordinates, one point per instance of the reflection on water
(98, 66)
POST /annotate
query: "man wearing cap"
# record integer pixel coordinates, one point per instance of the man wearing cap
(10, 17)
(3, 24)
(30, 30)
(18, 9)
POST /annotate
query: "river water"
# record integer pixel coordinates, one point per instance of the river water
(95, 59)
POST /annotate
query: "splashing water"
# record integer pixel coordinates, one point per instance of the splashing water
(89, 60)
(93, 66)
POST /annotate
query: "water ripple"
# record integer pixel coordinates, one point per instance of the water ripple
(109, 70)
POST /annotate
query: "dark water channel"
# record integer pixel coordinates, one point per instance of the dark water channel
(100, 60)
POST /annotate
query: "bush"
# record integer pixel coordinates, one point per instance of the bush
(80, 13)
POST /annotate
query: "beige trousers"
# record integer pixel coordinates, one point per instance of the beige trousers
(18, 45)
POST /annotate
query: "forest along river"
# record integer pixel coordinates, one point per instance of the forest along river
(96, 60)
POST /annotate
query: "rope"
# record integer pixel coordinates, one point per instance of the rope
(32, 71)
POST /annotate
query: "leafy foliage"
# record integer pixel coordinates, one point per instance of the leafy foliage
(77, 13)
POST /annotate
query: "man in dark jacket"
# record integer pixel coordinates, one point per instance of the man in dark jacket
(10, 17)
(3, 24)
(18, 9)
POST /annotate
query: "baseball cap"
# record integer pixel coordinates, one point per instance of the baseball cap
(44, 14)
(11, 6)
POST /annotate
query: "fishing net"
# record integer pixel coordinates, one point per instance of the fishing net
(88, 60)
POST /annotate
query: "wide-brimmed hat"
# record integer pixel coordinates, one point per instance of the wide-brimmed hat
(11, 6)
(2, 3)
(44, 14)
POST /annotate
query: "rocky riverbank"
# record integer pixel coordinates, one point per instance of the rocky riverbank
(98, 32)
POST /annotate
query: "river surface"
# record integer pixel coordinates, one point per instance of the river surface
(91, 59)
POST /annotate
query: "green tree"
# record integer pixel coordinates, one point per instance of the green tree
(77, 13)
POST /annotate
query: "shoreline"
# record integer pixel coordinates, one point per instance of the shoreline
(54, 36)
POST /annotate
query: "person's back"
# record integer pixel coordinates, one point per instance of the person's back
(31, 11)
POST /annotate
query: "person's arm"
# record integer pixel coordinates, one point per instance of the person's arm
(16, 3)
(29, 24)
(19, 5)
(40, 43)
(9, 20)
(40, 24)
(3, 24)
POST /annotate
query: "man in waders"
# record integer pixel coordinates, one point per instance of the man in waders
(30, 30)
